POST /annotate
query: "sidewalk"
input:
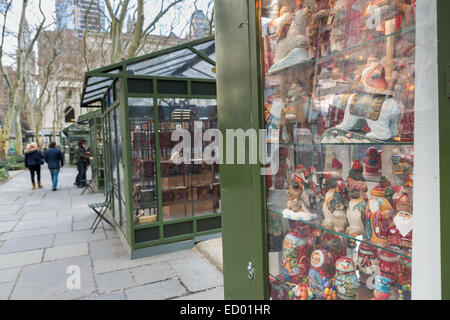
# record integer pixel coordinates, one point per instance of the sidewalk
(43, 234)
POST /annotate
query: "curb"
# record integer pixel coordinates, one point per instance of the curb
(211, 250)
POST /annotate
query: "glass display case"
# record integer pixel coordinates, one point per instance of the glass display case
(159, 204)
(340, 89)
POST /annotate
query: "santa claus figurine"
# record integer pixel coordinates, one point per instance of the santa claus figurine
(400, 196)
(372, 163)
(299, 176)
(401, 228)
(379, 215)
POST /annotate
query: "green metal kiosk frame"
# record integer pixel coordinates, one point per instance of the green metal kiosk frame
(241, 92)
(183, 73)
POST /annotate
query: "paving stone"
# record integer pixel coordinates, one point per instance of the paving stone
(113, 281)
(152, 273)
(25, 244)
(9, 274)
(20, 258)
(197, 273)
(48, 280)
(39, 215)
(43, 223)
(111, 234)
(124, 261)
(13, 217)
(78, 237)
(108, 296)
(212, 294)
(69, 251)
(84, 225)
(107, 249)
(84, 217)
(36, 232)
(8, 209)
(73, 212)
(7, 226)
(5, 290)
(157, 291)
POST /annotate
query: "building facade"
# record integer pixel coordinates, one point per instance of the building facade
(80, 15)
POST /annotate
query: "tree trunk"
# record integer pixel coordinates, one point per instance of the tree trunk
(19, 137)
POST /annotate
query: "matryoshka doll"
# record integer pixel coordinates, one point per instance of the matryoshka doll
(367, 262)
(321, 272)
(390, 265)
(297, 248)
(382, 288)
(346, 281)
(372, 164)
(334, 244)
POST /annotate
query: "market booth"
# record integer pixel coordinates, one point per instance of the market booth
(72, 135)
(354, 100)
(95, 144)
(158, 205)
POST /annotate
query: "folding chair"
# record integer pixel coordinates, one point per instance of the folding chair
(100, 209)
(88, 186)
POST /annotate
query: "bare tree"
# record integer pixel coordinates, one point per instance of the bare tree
(23, 55)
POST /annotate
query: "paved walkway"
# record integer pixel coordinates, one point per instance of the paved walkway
(45, 242)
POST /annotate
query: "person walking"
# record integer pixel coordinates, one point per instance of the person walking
(33, 161)
(55, 161)
(83, 160)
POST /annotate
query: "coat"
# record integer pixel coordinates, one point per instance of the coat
(33, 158)
(54, 158)
(82, 155)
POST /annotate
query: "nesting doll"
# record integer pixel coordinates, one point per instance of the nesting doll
(321, 272)
(297, 248)
(367, 262)
(389, 265)
(346, 281)
(382, 288)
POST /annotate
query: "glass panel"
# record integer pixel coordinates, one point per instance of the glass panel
(120, 164)
(115, 177)
(203, 47)
(339, 88)
(143, 156)
(192, 187)
(140, 67)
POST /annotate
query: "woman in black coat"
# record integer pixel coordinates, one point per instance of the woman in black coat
(33, 161)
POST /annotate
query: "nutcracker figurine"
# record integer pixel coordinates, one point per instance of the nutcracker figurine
(346, 281)
(367, 262)
(321, 272)
(297, 248)
(379, 216)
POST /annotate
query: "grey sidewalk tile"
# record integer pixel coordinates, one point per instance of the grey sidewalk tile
(25, 244)
(107, 296)
(157, 291)
(43, 223)
(34, 215)
(152, 273)
(72, 212)
(8, 209)
(20, 258)
(13, 217)
(35, 232)
(112, 234)
(48, 280)
(62, 239)
(124, 262)
(113, 281)
(197, 273)
(64, 252)
(9, 274)
(7, 226)
(212, 294)
(5, 290)
(107, 249)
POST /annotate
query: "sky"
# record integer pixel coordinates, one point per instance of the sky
(180, 15)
